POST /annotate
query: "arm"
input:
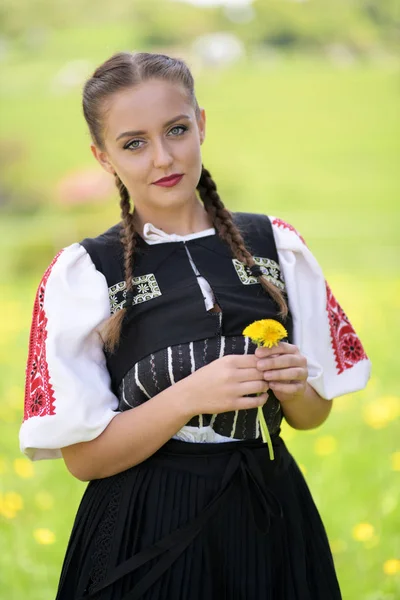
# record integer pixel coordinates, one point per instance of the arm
(308, 411)
(132, 436)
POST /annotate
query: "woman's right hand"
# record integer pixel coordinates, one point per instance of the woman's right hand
(222, 385)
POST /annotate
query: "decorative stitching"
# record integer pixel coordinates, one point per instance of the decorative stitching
(281, 223)
(346, 345)
(270, 268)
(39, 393)
(147, 288)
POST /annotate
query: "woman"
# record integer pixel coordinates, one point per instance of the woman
(140, 378)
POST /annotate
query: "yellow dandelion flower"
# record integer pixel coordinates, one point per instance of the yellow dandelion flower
(381, 412)
(10, 504)
(395, 461)
(44, 500)
(325, 445)
(265, 332)
(44, 536)
(391, 566)
(363, 532)
(24, 468)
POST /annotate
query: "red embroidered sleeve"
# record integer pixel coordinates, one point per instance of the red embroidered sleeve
(39, 394)
(346, 345)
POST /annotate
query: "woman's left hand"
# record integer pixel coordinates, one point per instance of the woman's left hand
(285, 369)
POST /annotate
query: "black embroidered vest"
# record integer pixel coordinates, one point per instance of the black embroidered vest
(169, 308)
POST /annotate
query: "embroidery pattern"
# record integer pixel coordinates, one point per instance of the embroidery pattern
(281, 223)
(346, 344)
(269, 267)
(39, 394)
(146, 286)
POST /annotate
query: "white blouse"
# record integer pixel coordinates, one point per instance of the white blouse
(68, 396)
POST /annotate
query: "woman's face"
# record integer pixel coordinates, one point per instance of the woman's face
(151, 132)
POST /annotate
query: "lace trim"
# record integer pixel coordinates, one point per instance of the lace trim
(105, 534)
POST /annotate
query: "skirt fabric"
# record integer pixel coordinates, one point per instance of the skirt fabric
(201, 522)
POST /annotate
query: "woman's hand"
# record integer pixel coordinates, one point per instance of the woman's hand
(285, 370)
(223, 385)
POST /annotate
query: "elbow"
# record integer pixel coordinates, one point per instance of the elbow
(78, 463)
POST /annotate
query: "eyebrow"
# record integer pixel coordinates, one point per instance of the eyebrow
(129, 133)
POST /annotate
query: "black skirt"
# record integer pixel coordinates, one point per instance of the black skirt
(199, 521)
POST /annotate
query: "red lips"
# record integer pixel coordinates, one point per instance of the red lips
(169, 178)
(169, 181)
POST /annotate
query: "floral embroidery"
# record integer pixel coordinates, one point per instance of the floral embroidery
(269, 267)
(346, 345)
(146, 286)
(39, 394)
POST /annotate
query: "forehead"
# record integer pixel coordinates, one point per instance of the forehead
(146, 106)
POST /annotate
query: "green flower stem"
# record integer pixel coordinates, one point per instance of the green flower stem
(264, 427)
(265, 433)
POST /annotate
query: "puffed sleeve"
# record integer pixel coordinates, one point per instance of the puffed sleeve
(68, 397)
(337, 362)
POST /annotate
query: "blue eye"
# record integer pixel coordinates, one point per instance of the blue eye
(130, 145)
(179, 127)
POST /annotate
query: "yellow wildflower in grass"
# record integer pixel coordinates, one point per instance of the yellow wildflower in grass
(395, 461)
(391, 566)
(267, 333)
(44, 536)
(381, 412)
(363, 532)
(10, 504)
(44, 500)
(302, 469)
(325, 445)
(24, 468)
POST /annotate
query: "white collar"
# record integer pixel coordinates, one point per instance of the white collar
(153, 235)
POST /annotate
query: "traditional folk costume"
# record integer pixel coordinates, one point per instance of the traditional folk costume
(208, 516)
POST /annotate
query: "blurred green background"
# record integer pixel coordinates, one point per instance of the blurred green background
(302, 103)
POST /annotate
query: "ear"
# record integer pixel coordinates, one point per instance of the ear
(202, 125)
(102, 159)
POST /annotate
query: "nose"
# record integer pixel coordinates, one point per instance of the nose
(161, 155)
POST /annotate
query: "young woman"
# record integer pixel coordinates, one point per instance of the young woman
(139, 375)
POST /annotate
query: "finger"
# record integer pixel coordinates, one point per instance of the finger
(248, 403)
(294, 374)
(281, 348)
(252, 387)
(241, 361)
(283, 361)
(286, 388)
(253, 374)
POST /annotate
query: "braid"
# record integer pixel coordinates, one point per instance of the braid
(128, 239)
(227, 230)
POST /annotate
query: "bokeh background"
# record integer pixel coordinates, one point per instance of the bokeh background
(302, 102)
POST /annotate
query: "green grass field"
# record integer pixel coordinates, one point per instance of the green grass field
(314, 144)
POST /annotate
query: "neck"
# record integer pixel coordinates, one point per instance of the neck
(182, 221)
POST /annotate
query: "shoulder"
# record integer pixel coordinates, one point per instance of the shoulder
(285, 234)
(105, 246)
